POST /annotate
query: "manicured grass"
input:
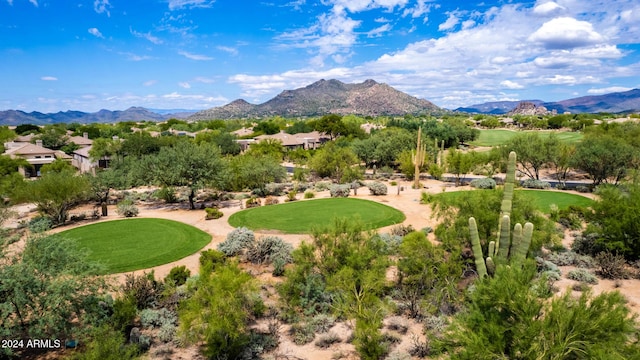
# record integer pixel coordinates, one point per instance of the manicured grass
(541, 199)
(134, 244)
(300, 216)
(495, 137)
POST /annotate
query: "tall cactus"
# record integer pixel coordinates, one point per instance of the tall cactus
(418, 157)
(506, 249)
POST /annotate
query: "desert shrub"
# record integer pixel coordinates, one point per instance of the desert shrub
(151, 318)
(271, 200)
(178, 275)
(587, 244)
(483, 183)
(302, 333)
(213, 213)
(78, 217)
(535, 184)
(168, 194)
(124, 312)
(611, 266)
(583, 189)
(39, 224)
(435, 324)
(309, 195)
(436, 171)
(322, 185)
(554, 212)
(582, 275)
(425, 197)
(322, 323)
(144, 289)
(127, 208)
(427, 230)
(291, 196)
(106, 344)
(377, 188)
(211, 256)
(327, 340)
(252, 202)
(546, 265)
(339, 190)
(419, 348)
(569, 258)
(237, 240)
(167, 333)
(398, 324)
(402, 230)
(267, 249)
(275, 189)
(391, 242)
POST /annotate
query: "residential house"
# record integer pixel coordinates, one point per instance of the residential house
(309, 140)
(35, 154)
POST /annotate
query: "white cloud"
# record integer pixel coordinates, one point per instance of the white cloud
(150, 82)
(511, 85)
(135, 57)
(196, 57)
(379, 31)
(180, 4)
(102, 6)
(608, 90)
(566, 33)
(451, 22)
(421, 9)
(184, 85)
(49, 78)
(548, 9)
(146, 36)
(362, 5)
(95, 32)
(228, 49)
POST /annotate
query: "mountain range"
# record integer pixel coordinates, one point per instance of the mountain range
(617, 102)
(368, 98)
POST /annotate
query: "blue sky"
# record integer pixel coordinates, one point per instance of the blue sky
(196, 54)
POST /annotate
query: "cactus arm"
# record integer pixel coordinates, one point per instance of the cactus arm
(481, 267)
(505, 238)
(491, 266)
(520, 250)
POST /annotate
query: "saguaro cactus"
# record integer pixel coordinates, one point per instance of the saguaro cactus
(507, 248)
(418, 157)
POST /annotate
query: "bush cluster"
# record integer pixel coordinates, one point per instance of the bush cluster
(127, 208)
(268, 249)
(582, 275)
(309, 194)
(274, 189)
(213, 213)
(178, 275)
(236, 241)
(339, 190)
(535, 184)
(168, 194)
(271, 200)
(611, 266)
(251, 202)
(377, 188)
(483, 183)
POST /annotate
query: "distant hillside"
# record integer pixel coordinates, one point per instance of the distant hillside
(17, 117)
(627, 101)
(325, 97)
(496, 107)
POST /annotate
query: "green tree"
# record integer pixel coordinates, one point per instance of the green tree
(101, 184)
(269, 147)
(459, 164)
(533, 151)
(331, 125)
(226, 142)
(185, 164)
(10, 178)
(137, 145)
(333, 161)
(251, 172)
(49, 291)
(55, 193)
(58, 165)
(105, 149)
(219, 311)
(615, 220)
(26, 129)
(604, 158)
(53, 137)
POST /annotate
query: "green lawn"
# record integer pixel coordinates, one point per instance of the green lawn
(300, 216)
(541, 199)
(495, 137)
(134, 244)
